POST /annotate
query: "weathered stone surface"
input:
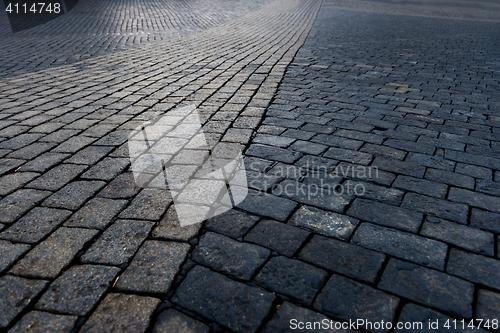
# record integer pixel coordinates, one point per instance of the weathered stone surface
(90, 155)
(174, 321)
(14, 181)
(386, 215)
(121, 313)
(488, 305)
(43, 322)
(475, 268)
(277, 236)
(118, 243)
(73, 195)
(122, 187)
(78, 289)
(107, 169)
(34, 226)
(347, 155)
(422, 186)
(170, 228)
(424, 251)
(273, 153)
(292, 278)
(235, 305)
(350, 300)
(44, 162)
(150, 204)
(475, 199)
(450, 178)
(288, 315)
(344, 258)
(96, 214)
(15, 294)
(229, 256)
(10, 252)
(57, 177)
(323, 222)
(16, 204)
(48, 258)
(445, 209)
(154, 267)
(465, 237)
(232, 223)
(267, 205)
(428, 287)
(485, 220)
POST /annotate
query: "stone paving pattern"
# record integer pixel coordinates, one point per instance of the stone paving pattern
(301, 86)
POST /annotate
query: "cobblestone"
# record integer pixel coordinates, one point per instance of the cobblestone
(10, 252)
(343, 258)
(475, 268)
(218, 298)
(429, 287)
(226, 255)
(175, 321)
(36, 321)
(350, 300)
(96, 214)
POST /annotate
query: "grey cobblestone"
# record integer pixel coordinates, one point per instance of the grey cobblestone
(424, 251)
(343, 258)
(436, 207)
(11, 182)
(154, 267)
(228, 256)
(235, 305)
(57, 177)
(175, 321)
(429, 287)
(16, 204)
(118, 243)
(10, 252)
(350, 300)
(41, 322)
(77, 290)
(150, 204)
(73, 195)
(98, 213)
(475, 268)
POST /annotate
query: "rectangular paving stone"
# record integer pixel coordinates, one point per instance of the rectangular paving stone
(232, 223)
(273, 153)
(237, 306)
(428, 287)
(34, 226)
(9, 164)
(323, 222)
(73, 144)
(44, 162)
(36, 321)
(475, 268)
(48, 258)
(20, 141)
(466, 237)
(122, 187)
(16, 204)
(423, 251)
(122, 313)
(15, 294)
(11, 182)
(9, 253)
(149, 204)
(349, 155)
(386, 215)
(421, 186)
(90, 155)
(289, 316)
(397, 166)
(292, 278)
(485, 220)
(31, 151)
(349, 300)
(267, 205)
(229, 256)
(96, 214)
(452, 211)
(343, 258)
(327, 197)
(78, 289)
(118, 243)
(73, 195)
(57, 177)
(450, 178)
(475, 199)
(154, 267)
(488, 306)
(170, 228)
(174, 321)
(107, 169)
(277, 236)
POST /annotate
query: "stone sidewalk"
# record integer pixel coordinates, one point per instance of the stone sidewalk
(371, 143)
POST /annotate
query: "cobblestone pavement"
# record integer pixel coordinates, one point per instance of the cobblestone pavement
(372, 149)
